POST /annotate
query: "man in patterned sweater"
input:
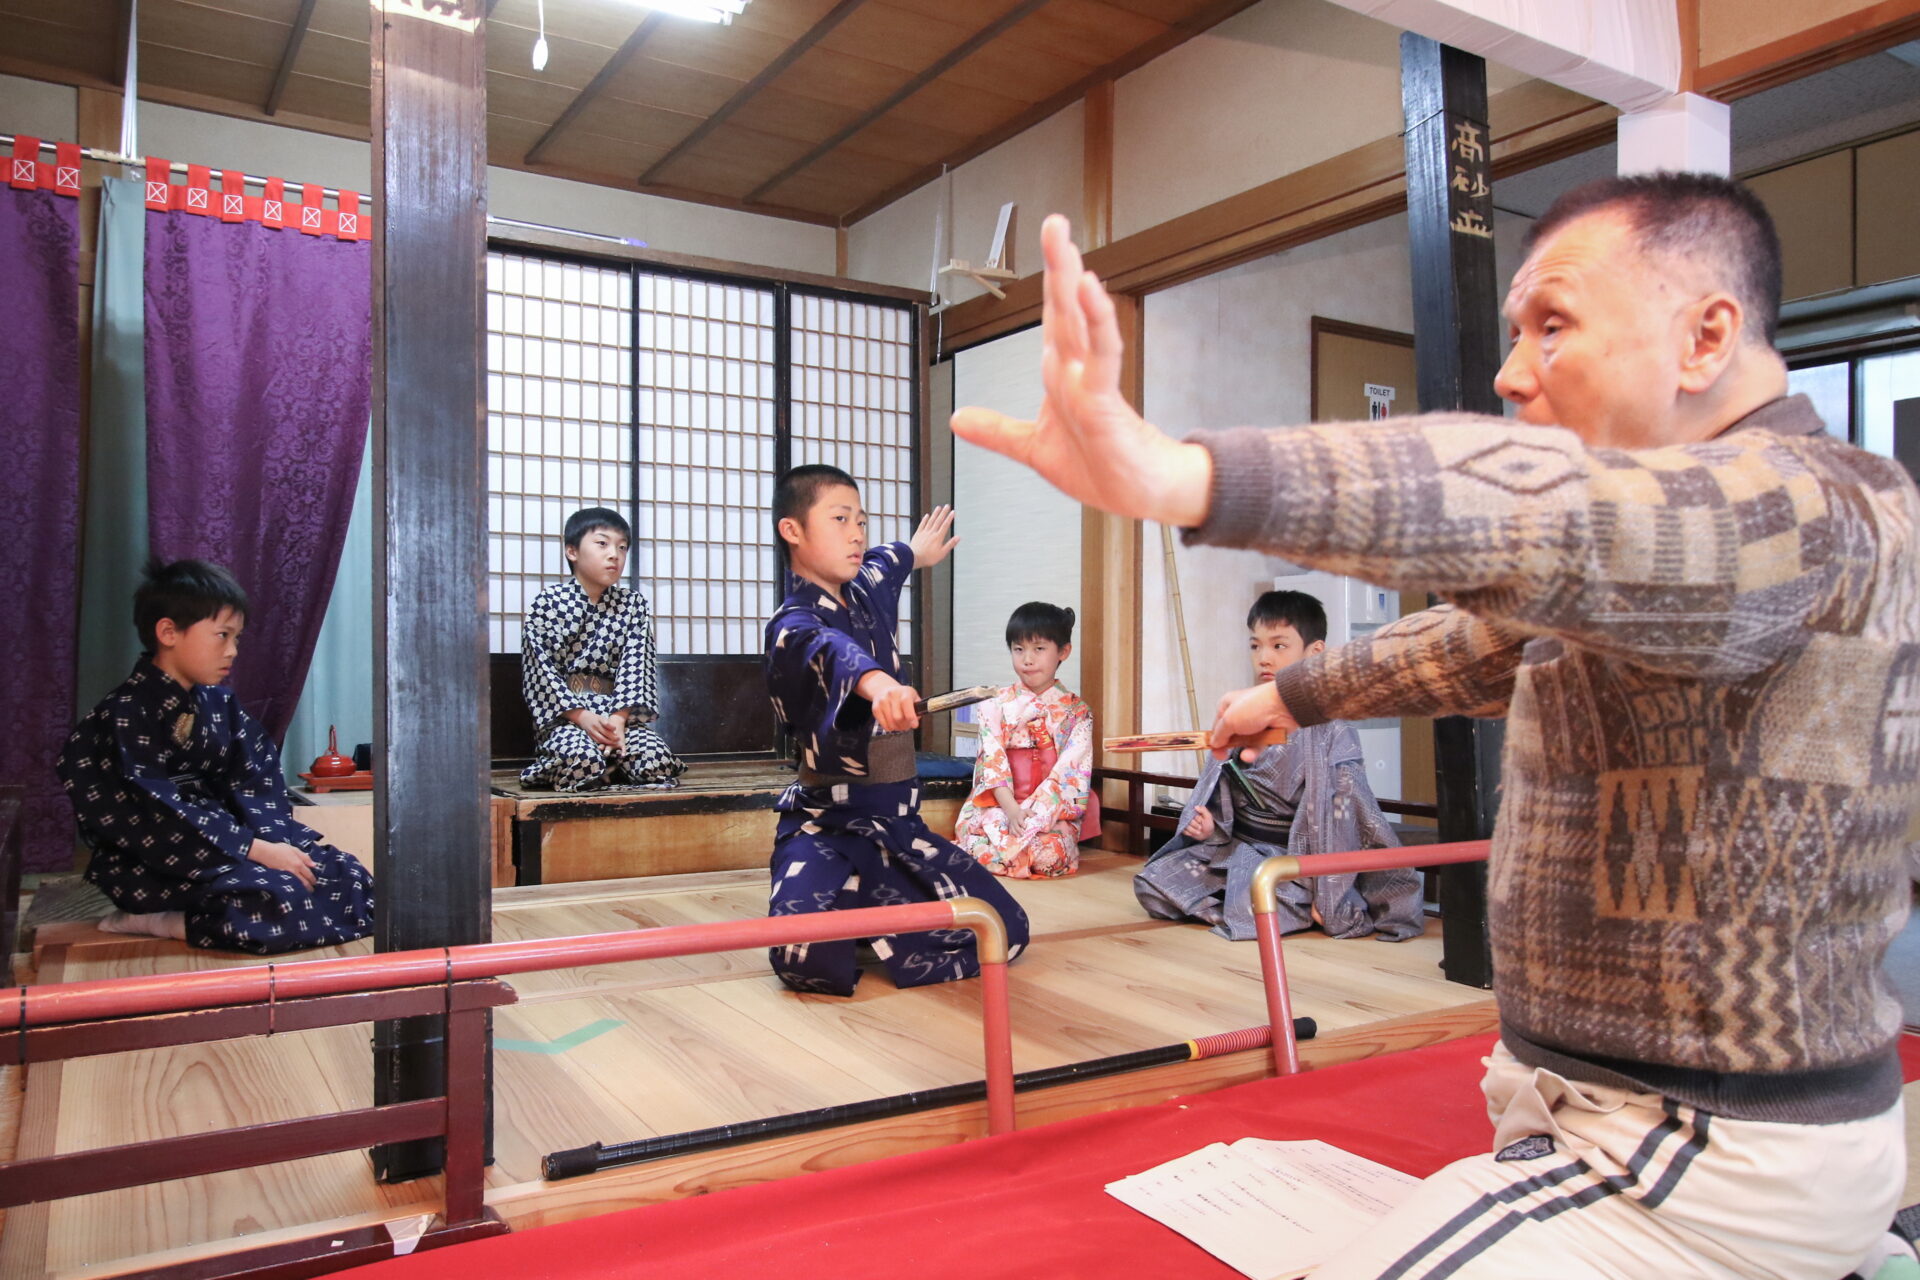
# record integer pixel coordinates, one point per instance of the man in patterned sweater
(1700, 616)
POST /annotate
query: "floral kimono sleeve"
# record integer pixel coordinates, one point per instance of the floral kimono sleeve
(990, 767)
(1062, 798)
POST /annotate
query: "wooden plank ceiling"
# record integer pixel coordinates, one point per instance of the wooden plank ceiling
(820, 110)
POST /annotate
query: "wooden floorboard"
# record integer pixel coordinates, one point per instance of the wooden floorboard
(619, 1052)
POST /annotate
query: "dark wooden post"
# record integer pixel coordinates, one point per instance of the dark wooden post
(431, 841)
(1456, 313)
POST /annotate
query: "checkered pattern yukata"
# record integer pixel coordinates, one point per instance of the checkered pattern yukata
(851, 844)
(571, 644)
(172, 786)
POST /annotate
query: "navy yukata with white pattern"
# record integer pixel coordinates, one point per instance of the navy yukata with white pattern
(855, 845)
(171, 787)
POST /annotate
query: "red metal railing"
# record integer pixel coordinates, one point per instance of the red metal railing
(1273, 965)
(82, 1019)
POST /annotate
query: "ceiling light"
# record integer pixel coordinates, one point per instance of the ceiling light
(722, 11)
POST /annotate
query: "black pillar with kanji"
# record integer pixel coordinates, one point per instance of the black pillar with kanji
(1456, 314)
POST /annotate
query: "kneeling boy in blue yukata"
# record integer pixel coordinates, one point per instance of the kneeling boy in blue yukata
(850, 833)
(180, 795)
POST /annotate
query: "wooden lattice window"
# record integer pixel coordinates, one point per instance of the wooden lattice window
(851, 379)
(559, 418)
(708, 413)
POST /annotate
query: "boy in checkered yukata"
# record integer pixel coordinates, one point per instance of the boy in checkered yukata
(587, 666)
(850, 833)
(179, 793)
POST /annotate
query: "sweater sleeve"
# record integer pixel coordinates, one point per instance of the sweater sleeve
(1710, 560)
(1439, 662)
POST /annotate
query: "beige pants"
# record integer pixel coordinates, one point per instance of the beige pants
(1636, 1187)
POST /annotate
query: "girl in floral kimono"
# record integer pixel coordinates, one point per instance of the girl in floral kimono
(1032, 801)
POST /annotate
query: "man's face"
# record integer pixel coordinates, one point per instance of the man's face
(1599, 333)
(202, 653)
(829, 542)
(1275, 646)
(601, 557)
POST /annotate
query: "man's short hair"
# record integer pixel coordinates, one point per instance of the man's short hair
(1698, 216)
(187, 591)
(1038, 620)
(585, 521)
(1295, 609)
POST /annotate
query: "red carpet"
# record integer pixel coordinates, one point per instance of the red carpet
(1031, 1204)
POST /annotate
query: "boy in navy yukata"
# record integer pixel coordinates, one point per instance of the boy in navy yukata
(850, 833)
(587, 668)
(180, 795)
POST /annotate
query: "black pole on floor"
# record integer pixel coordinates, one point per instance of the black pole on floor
(600, 1156)
(1456, 314)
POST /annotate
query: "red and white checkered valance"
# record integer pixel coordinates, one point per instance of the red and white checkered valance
(231, 203)
(27, 172)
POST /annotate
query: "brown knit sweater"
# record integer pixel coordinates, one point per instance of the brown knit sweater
(1709, 661)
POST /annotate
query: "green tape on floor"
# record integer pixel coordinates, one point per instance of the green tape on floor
(571, 1040)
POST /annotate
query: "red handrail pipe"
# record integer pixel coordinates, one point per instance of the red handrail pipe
(1266, 922)
(266, 983)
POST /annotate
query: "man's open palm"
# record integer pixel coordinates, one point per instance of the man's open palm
(1087, 440)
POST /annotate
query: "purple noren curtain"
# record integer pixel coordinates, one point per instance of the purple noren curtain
(259, 362)
(39, 508)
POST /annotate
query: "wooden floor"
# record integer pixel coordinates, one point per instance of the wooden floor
(622, 1052)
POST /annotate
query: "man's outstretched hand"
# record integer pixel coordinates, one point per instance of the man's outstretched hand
(1245, 713)
(1088, 441)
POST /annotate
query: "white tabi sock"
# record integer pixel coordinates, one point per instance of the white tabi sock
(155, 924)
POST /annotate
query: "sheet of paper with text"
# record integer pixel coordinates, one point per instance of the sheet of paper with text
(1271, 1210)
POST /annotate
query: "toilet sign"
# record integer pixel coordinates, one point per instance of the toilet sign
(1379, 400)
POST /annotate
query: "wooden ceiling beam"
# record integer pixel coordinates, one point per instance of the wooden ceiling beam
(301, 21)
(748, 91)
(621, 56)
(1181, 32)
(965, 49)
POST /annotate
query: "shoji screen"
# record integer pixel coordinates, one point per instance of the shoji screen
(706, 448)
(559, 418)
(851, 384)
(1022, 536)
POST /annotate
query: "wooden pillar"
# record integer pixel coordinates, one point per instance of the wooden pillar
(1096, 171)
(1110, 606)
(431, 837)
(1456, 312)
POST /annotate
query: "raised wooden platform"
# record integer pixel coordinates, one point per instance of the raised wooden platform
(630, 1051)
(720, 818)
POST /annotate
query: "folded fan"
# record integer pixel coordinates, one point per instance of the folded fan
(1188, 740)
(958, 698)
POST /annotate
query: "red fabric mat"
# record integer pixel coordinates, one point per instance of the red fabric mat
(1030, 1204)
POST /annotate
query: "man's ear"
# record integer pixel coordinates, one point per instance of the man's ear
(573, 555)
(166, 633)
(1719, 326)
(1318, 646)
(789, 529)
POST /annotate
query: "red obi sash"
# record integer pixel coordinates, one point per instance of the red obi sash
(1030, 767)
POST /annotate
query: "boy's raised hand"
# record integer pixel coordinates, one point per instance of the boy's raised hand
(1087, 440)
(930, 542)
